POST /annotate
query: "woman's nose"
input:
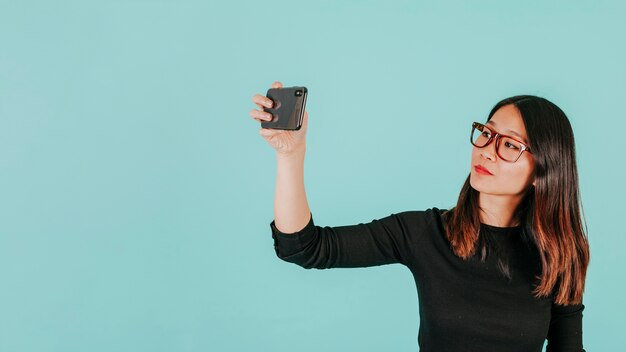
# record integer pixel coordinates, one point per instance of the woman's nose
(487, 155)
(489, 152)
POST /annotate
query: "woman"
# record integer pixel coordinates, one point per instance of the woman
(503, 270)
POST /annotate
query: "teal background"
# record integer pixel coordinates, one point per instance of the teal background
(136, 193)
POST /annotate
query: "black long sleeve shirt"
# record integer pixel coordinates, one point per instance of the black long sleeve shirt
(463, 305)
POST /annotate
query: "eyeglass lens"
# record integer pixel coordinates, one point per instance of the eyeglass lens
(508, 149)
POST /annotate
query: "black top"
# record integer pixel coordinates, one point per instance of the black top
(463, 305)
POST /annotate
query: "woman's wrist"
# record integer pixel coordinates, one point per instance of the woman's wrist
(294, 154)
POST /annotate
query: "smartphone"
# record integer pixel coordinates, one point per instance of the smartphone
(288, 108)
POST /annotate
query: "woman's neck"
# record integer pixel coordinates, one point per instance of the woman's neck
(498, 210)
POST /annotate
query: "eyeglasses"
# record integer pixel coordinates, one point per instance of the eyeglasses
(508, 148)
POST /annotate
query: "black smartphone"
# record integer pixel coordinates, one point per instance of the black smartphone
(288, 108)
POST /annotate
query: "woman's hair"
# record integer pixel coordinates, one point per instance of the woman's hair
(550, 211)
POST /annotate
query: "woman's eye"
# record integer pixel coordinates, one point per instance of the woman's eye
(509, 145)
(486, 134)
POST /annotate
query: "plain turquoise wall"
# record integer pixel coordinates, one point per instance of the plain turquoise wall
(136, 193)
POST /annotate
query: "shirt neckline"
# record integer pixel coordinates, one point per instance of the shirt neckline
(500, 229)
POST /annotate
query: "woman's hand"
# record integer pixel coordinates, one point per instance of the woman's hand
(283, 141)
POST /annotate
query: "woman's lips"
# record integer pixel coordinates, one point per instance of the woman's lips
(482, 170)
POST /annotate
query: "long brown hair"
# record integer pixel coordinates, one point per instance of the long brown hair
(550, 211)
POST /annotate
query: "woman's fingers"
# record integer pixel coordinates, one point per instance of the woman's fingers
(260, 115)
(262, 101)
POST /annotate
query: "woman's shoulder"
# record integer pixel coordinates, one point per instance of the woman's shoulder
(425, 234)
(430, 218)
(432, 212)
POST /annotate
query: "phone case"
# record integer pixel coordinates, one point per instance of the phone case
(288, 109)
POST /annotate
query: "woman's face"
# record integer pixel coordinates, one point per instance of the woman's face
(506, 178)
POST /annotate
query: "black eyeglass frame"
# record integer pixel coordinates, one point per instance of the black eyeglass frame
(495, 136)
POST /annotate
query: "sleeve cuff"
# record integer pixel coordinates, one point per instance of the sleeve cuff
(286, 244)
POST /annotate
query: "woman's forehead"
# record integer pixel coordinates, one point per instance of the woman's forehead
(508, 120)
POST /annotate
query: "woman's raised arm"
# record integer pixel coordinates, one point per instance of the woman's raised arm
(291, 209)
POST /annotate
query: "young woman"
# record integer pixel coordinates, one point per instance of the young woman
(503, 270)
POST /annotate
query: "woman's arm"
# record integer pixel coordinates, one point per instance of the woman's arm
(566, 333)
(291, 209)
(381, 241)
(298, 240)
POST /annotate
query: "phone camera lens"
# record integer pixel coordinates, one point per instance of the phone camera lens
(298, 93)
